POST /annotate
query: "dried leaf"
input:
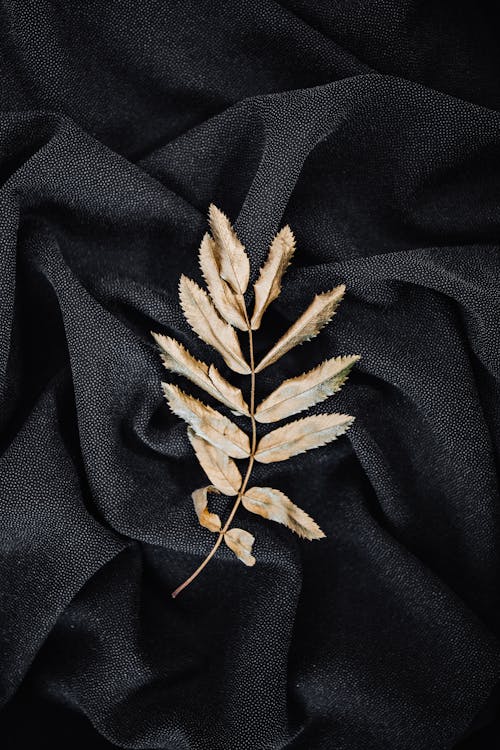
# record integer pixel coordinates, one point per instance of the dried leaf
(221, 293)
(233, 260)
(205, 321)
(209, 520)
(219, 468)
(268, 286)
(301, 435)
(240, 542)
(207, 422)
(273, 504)
(318, 314)
(227, 393)
(299, 393)
(216, 440)
(177, 359)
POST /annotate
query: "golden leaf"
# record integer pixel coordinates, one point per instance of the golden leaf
(318, 314)
(233, 260)
(221, 293)
(219, 468)
(268, 286)
(299, 393)
(209, 520)
(216, 440)
(240, 542)
(207, 422)
(177, 359)
(301, 435)
(227, 393)
(205, 321)
(275, 505)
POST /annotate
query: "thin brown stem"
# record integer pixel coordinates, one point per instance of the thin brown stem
(200, 568)
(251, 461)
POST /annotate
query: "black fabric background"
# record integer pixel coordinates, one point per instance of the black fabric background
(373, 128)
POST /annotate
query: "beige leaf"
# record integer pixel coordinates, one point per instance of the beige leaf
(318, 314)
(268, 286)
(221, 293)
(301, 435)
(209, 520)
(275, 505)
(177, 359)
(219, 468)
(227, 392)
(205, 321)
(299, 393)
(240, 542)
(207, 422)
(233, 260)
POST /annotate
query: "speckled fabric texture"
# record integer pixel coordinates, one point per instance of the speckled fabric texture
(373, 129)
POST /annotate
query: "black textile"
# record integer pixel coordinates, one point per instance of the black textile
(373, 129)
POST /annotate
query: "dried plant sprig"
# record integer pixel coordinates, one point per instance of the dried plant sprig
(216, 440)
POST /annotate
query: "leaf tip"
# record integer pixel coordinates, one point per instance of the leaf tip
(215, 215)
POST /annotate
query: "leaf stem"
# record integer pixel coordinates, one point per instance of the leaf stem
(251, 461)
